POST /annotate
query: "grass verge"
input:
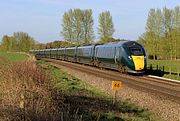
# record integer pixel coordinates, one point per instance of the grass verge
(86, 103)
(13, 56)
(169, 66)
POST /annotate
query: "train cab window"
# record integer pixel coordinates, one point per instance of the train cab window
(135, 48)
(136, 51)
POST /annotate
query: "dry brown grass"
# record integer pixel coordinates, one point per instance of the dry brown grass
(26, 92)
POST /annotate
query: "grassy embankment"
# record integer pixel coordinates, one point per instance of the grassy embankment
(13, 56)
(26, 90)
(169, 66)
(88, 103)
(30, 91)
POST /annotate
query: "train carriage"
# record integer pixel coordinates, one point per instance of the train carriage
(61, 53)
(85, 54)
(107, 55)
(70, 54)
(53, 53)
(41, 53)
(47, 53)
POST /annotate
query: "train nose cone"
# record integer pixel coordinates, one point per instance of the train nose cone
(138, 62)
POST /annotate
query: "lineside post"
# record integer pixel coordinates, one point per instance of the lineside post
(170, 70)
(178, 72)
(163, 69)
(116, 85)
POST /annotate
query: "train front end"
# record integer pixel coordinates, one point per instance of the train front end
(136, 57)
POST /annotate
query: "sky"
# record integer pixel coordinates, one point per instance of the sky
(42, 19)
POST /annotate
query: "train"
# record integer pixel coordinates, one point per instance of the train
(123, 56)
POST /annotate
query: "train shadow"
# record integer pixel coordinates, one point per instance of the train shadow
(156, 72)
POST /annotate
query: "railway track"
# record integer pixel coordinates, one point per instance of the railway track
(167, 90)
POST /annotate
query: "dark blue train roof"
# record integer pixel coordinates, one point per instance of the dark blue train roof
(113, 44)
(119, 44)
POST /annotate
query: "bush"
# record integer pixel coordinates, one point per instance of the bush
(26, 91)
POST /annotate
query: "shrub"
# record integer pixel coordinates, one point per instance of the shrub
(26, 91)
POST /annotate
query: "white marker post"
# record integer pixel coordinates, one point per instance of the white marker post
(116, 85)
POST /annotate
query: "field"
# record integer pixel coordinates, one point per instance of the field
(38, 91)
(172, 67)
(13, 56)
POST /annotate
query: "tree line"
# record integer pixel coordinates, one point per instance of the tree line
(162, 36)
(78, 24)
(20, 41)
(77, 29)
(54, 44)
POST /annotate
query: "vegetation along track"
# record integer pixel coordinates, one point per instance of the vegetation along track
(165, 89)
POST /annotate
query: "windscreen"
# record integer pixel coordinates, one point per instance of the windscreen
(136, 49)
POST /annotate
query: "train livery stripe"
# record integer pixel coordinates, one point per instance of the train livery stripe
(138, 62)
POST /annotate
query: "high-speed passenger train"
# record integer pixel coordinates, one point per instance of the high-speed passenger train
(124, 56)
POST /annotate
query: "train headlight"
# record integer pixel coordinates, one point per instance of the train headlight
(130, 58)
